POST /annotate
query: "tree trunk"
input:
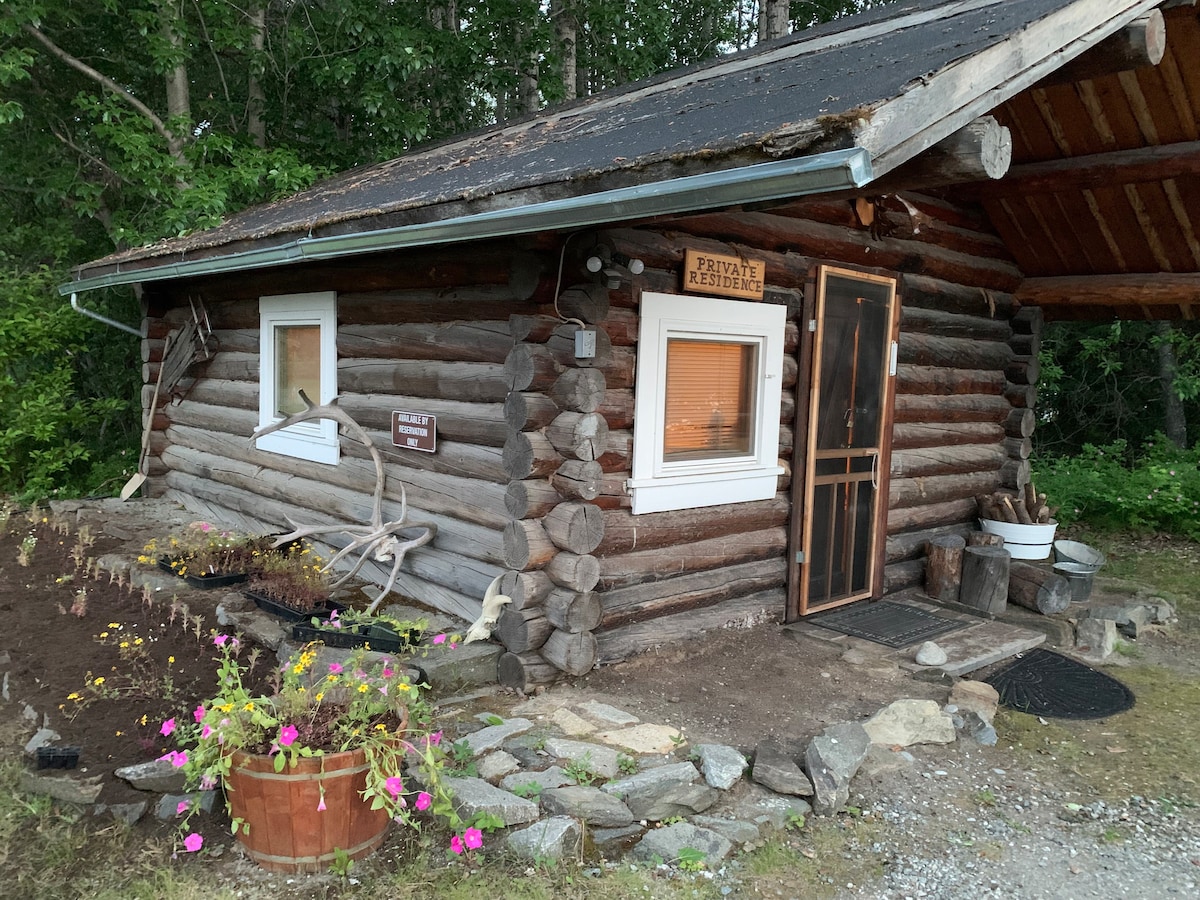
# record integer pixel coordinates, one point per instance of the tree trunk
(773, 19)
(565, 32)
(1174, 417)
(256, 126)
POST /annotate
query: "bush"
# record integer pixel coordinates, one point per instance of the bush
(1113, 488)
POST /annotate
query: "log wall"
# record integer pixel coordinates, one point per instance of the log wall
(535, 445)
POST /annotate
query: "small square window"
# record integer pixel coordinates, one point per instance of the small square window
(298, 351)
(706, 415)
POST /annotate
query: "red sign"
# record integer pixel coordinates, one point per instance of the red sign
(414, 431)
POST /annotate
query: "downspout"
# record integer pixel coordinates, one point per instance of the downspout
(113, 323)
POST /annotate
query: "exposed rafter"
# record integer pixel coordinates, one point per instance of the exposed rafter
(1140, 43)
(1138, 289)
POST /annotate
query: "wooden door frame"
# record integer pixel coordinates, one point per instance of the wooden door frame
(798, 515)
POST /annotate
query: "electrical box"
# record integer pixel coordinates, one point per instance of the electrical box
(585, 343)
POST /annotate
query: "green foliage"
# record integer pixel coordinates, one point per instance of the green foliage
(1109, 487)
(580, 770)
(691, 859)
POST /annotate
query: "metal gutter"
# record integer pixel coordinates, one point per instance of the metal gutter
(817, 174)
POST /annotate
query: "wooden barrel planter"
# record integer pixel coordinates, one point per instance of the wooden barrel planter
(286, 831)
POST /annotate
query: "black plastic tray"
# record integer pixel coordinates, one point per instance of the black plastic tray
(204, 582)
(266, 604)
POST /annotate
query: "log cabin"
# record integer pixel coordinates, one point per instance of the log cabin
(730, 344)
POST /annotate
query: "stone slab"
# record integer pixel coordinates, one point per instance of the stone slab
(645, 738)
(982, 645)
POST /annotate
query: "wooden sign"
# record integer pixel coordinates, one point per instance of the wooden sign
(727, 276)
(414, 431)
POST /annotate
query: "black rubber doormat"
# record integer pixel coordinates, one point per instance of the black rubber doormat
(1045, 683)
(886, 622)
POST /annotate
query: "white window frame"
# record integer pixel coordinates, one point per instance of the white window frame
(314, 441)
(658, 484)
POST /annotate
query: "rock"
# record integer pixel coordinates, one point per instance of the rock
(607, 716)
(884, 759)
(650, 781)
(832, 759)
(601, 836)
(570, 724)
(722, 765)
(768, 809)
(474, 795)
(1129, 618)
(129, 813)
(678, 801)
(976, 696)
(644, 738)
(159, 775)
(83, 791)
(978, 729)
(260, 628)
(167, 807)
(930, 654)
(775, 768)
(496, 765)
(589, 804)
(1096, 637)
(547, 778)
(907, 722)
(491, 737)
(666, 843)
(597, 758)
(554, 838)
(43, 737)
(735, 830)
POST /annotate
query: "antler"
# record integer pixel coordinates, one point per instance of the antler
(377, 538)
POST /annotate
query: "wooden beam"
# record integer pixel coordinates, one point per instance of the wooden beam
(980, 150)
(1140, 43)
(1143, 289)
(1097, 170)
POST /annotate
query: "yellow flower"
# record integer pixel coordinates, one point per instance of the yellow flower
(249, 707)
(124, 645)
(137, 642)
(170, 660)
(381, 727)
(119, 733)
(405, 687)
(114, 624)
(103, 634)
(362, 688)
(142, 720)
(99, 680)
(74, 695)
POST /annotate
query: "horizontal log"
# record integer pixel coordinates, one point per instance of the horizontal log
(1142, 289)
(676, 630)
(911, 544)
(225, 366)
(931, 515)
(1024, 370)
(531, 498)
(423, 303)
(581, 390)
(622, 326)
(1018, 448)
(954, 325)
(902, 576)
(525, 672)
(1038, 589)
(617, 407)
(578, 479)
(936, 293)
(955, 353)
(662, 563)
(625, 532)
(1026, 344)
(573, 611)
(575, 571)
(916, 435)
(526, 589)
(1031, 319)
(1140, 43)
(574, 654)
(651, 599)
(471, 381)
(529, 454)
(579, 435)
(1020, 423)
(981, 149)
(533, 329)
(1015, 473)
(217, 393)
(904, 493)
(526, 545)
(483, 342)
(521, 630)
(529, 411)
(931, 408)
(942, 381)
(531, 367)
(1021, 395)
(588, 302)
(575, 527)
(561, 345)
(965, 458)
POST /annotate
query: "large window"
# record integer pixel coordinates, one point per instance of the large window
(706, 419)
(298, 351)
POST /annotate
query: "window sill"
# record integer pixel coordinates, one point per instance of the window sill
(705, 489)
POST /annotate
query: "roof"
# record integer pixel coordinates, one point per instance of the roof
(865, 93)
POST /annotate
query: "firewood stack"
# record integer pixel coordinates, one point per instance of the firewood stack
(1027, 507)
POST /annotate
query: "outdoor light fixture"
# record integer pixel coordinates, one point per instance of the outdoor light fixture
(602, 259)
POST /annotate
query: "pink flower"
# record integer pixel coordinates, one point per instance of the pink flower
(220, 639)
(334, 622)
(321, 804)
(177, 758)
(424, 801)
(387, 672)
(198, 713)
(193, 842)
(439, 639)
(167, 727)
(394, 786)
(205, 527)
(182, 807)
(335, 668)
(207, 782)
(288, 735)
(473, 838)
(205, 732)
(456, 845)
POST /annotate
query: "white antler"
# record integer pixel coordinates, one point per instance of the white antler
(377, 538)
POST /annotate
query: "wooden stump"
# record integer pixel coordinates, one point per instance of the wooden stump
(943, 573)
(1038, 589)
(984, 539)
(985, 574)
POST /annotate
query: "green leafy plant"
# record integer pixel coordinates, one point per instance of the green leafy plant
(690, 859)
(580, 770)
(342, 863)
(493, 720)
(627, 764)
(293, 576)
(203, 549)
(529, 791)
(795, 821)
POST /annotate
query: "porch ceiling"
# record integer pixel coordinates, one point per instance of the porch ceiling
(1101, 208)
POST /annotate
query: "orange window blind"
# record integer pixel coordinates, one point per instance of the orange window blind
(297, 365)
(709, 399)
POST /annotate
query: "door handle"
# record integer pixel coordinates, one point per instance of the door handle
(875, 469)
